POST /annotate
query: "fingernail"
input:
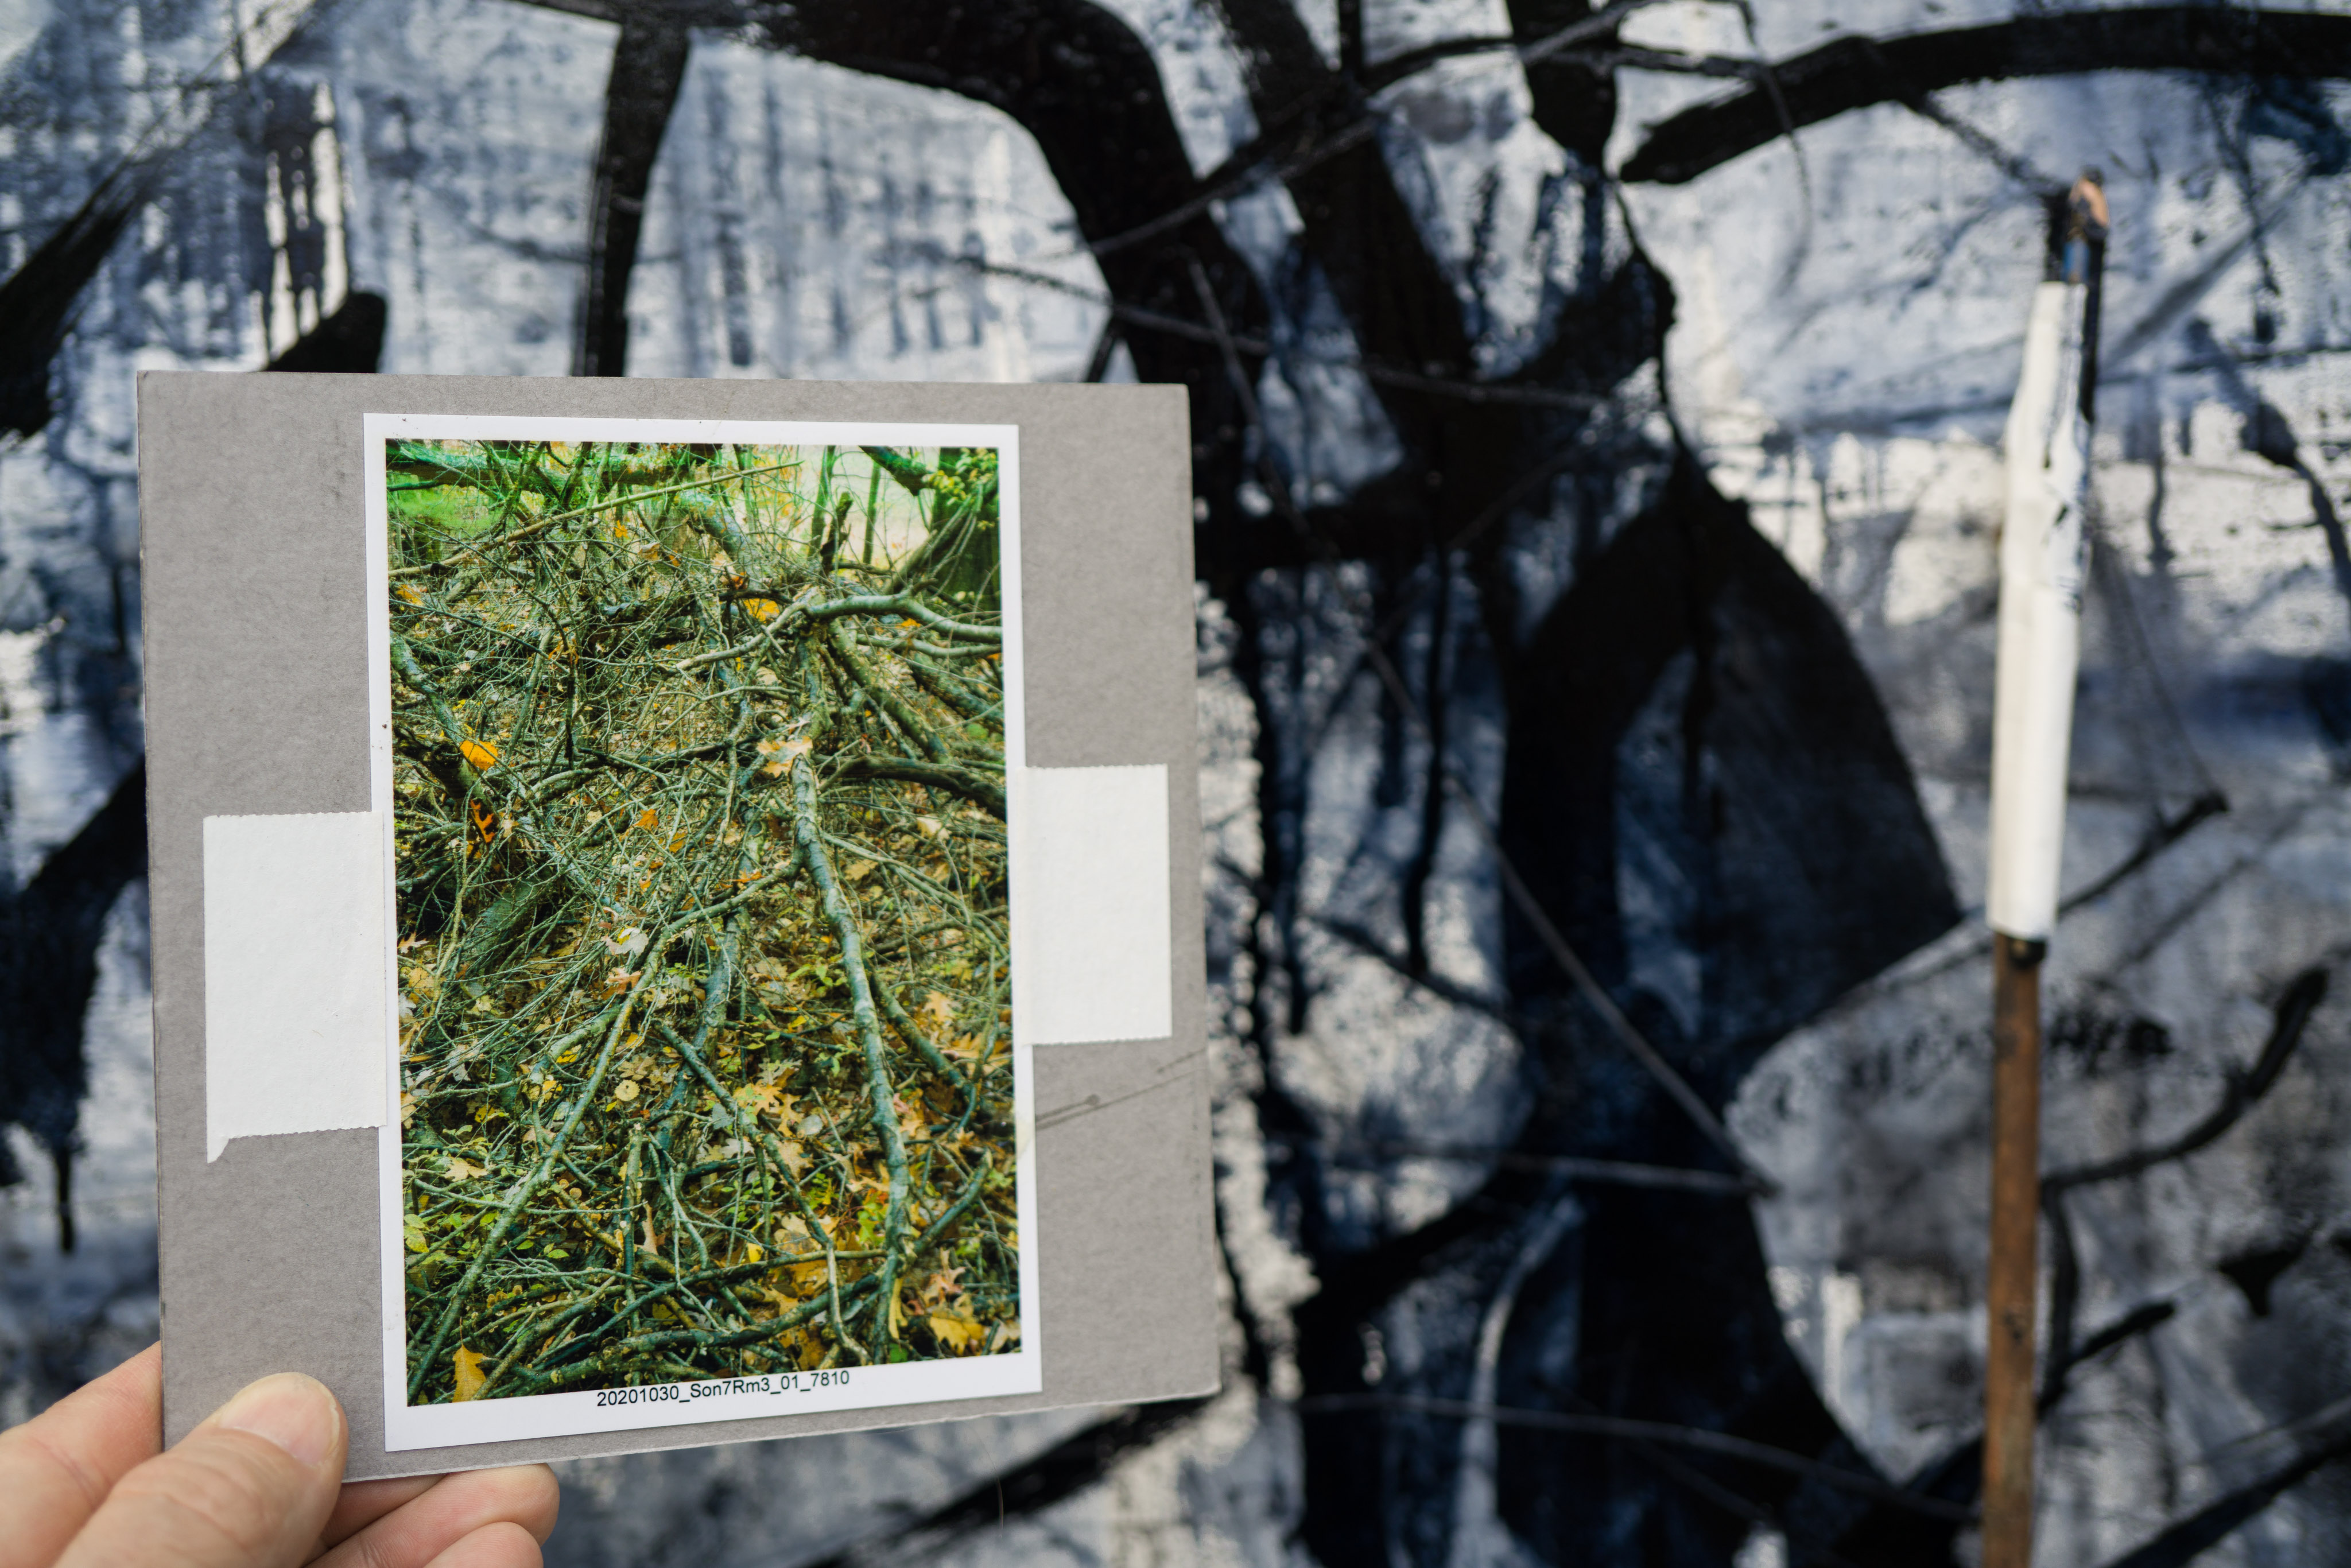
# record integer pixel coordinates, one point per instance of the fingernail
(293, 1412)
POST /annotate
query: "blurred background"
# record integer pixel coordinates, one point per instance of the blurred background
(1596, 418)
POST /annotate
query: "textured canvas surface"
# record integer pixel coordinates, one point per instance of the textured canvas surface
(1639, 374)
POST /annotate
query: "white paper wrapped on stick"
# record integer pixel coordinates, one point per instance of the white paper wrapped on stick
(2042, 559)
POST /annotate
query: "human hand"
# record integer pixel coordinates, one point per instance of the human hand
(86, 1484)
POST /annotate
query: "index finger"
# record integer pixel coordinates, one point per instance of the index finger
(57, 1467)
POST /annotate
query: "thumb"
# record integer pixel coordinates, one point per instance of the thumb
(250, 1488)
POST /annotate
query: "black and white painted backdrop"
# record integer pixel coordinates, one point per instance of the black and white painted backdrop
(1597, 417)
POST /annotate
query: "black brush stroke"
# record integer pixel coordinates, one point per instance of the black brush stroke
(1062, 1472)
(38, 300)
(1853, 73)
(348, 342)
(648, 68)
(2244, 1091)
(51, 932)
(2182, 1542)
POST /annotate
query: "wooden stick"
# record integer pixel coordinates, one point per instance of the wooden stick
(2009, 1291)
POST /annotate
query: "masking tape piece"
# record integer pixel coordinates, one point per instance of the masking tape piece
(295, 985)
(1090, 910)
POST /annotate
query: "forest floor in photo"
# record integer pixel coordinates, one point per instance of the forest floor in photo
(702, 915)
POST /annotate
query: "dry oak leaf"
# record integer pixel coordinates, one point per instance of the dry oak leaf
(957, 1333)
(650, 818)
(470, 1375)
(761, 1099)
(483, 755)
(943, 1284)
(619, 981)
(461, 1170)
(938, 1009)
(782, 754)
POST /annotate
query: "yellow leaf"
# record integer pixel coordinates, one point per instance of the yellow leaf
(461, 1170)
(762, 609)
(938, 1009)
(1006, 1332)
(470, 1375)
(858, 871)
(928, 827)
(409, 594)
(897, 1315)
(482, 756)
(759, 1098)
(957, 1333)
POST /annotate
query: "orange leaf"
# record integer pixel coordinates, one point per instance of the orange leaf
(481, 756)
(470, 1375)
(650, 820)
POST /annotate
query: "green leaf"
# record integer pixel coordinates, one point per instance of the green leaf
(411, 1229)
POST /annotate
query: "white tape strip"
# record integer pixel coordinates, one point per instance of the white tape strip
(1091, 938)
(295, 989)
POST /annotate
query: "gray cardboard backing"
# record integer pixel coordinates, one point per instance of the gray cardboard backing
(252, 517)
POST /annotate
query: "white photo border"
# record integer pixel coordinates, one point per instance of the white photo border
(523, 1417)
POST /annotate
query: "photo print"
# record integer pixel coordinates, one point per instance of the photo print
(694, 742)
